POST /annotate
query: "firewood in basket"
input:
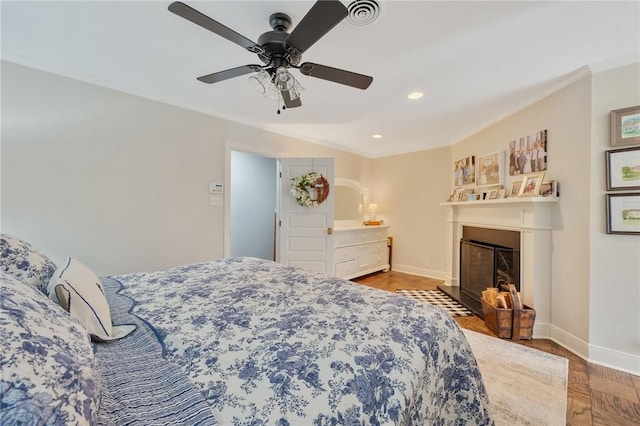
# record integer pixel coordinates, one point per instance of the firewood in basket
(507, 298)
(502, 302)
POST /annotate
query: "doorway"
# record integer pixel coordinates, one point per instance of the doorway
(253, 204)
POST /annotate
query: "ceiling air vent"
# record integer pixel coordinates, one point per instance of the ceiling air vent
(363, 13)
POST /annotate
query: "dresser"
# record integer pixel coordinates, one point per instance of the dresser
(360, 250)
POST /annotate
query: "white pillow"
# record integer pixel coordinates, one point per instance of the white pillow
(78, 290)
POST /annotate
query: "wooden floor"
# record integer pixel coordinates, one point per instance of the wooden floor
(596, 395)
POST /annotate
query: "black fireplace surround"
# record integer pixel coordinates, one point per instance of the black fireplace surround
(488, 258)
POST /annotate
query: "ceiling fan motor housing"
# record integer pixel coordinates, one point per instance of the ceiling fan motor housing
(276, 52)
(280, 22)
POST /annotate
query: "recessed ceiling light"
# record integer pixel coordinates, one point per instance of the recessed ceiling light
(415, 95)
(376, 136)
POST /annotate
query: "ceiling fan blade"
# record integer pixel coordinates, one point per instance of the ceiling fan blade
(348, 78)
(198, 18)
(290, 103)
(230, 73)
(319, 20)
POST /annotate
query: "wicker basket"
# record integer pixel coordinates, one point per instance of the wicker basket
(515, 324)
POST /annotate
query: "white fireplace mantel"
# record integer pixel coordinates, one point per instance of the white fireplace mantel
(532, 217)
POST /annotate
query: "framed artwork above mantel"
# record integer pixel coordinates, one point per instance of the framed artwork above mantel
(489, 169)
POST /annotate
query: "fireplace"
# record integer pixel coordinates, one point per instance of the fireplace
(484, 265)
(488, 258)
(531, 221)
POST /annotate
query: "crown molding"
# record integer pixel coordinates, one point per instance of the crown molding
(616, 62)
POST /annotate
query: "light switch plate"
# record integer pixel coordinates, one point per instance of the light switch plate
(216, 200)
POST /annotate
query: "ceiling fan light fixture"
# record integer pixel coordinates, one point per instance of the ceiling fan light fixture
(294, 92)
(260, 82)
(283, 79)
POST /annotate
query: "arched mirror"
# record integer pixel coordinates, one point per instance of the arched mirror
(350, 197)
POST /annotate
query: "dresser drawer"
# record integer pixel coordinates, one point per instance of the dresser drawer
(379, 248)
(346, 268)
(342, 254)
(379, 255)
(370, 235)
(359, 251)
(378, 234)
(345, 238)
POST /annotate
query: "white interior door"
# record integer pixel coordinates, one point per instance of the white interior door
(306, 233)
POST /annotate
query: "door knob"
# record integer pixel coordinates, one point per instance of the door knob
(329, 231)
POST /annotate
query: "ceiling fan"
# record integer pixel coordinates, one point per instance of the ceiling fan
(279, 51)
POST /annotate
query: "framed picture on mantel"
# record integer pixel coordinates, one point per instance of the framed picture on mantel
(531, 185)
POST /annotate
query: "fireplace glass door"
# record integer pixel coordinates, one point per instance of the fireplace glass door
(484, 265)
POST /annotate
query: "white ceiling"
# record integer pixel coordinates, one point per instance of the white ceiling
(475, 61)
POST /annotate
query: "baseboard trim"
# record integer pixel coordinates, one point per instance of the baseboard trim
(422, 272)
(611, 358)
(595, 354)
(541, 330)
(569, 341)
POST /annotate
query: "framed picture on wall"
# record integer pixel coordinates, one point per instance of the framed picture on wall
(625, 126)
(531, 185)
(489, 169)
(528, 154)
(623, 213)
(464, 171)
(623, 169)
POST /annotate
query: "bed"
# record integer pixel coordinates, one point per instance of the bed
(245, 341)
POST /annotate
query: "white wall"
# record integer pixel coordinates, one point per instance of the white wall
(595, 277)
(614, 327)
(254, 183)
(566, 115)
(409, 189)
(118, 181)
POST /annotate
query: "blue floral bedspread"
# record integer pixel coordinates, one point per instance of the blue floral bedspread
(140, 387)
(269, 344)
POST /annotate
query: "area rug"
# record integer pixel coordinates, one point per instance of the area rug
(525, 386)
(438, 298)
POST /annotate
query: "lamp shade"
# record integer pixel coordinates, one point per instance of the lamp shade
(373, 208)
